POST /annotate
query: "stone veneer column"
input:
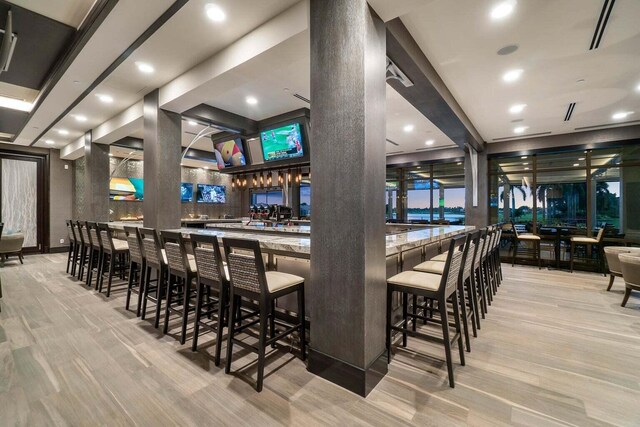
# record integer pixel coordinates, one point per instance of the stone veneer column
(162, 153)
(96, 181)
(479, 215)
(347, 293)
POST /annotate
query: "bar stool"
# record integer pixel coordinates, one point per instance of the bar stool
(477, 276)
(84, 249)
(72, 246)
(182, 273)
(155, 260)
(76, 256)
(249, 280)
(116, 251)
(95, 253)
(630, 265)
(137, 267)
(588, 242)
(532, 238)
(213, 277)
(466, 298)
(439, 288)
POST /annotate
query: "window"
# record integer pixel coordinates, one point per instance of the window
(305, 199)
(419, 200)
(268, 197)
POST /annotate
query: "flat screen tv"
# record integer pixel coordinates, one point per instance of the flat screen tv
(186, 192)
(211, 193)
(128, 189)
(229, 153)
(282, 143)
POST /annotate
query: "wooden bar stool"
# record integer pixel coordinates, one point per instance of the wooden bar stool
(182, 273)
(73, 246)
(155, 260)
(466, 298)
(115, 251)
(439, 288)
(76, 256)
(137, 266)
(588, 242)
(250, 280)
(213, 277)
(529, 238)
(95, 253)
(84, 248)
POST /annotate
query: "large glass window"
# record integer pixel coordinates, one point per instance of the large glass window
(608, 197)
(562, 198)
(305, 199)
(269, 197)
(391, 200)
(419, 200)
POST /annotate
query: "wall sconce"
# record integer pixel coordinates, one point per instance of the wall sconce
(269, 174)
(255, 180)
(289, 176)
(280, 179)
(261, 180)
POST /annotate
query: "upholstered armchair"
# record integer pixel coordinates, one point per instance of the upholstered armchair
(630, 265)
(613, 262)
(11, 244)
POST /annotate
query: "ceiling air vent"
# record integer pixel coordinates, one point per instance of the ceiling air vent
(505, 138)
(302, 98)
(602, 24)
(392, 142)
(567, 116)
(394, 152)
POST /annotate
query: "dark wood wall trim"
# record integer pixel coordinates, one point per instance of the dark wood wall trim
(94, 19)
(172, 10)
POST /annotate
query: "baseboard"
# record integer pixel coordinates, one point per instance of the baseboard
(355, 379)
(59, 250)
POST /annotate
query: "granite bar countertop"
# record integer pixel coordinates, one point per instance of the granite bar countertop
(395, 243)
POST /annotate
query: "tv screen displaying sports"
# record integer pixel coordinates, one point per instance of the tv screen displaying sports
(282, 143)
(229, 153)
(186, 192)
(128, 189)
(211, 193)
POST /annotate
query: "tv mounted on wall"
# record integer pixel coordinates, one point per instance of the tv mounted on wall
(186, 192)
(212, 193)
(229, 153)
(282, 143)
(129, 189)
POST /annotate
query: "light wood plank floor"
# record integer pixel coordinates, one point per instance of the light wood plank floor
(555, 349)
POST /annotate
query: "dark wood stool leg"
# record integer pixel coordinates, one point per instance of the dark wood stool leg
(145, 292)
(571, 255)
(272, 322)
(389, 310)
(303, 327)
(185, 309)
(167, 307)
(196, 322)
(113, 258)
(231, 330)
(611, 279)
(405, 325)
(261, 344)
(159, 289)
(223, 313)
(459, 330)
(442, 306)
(141, 279)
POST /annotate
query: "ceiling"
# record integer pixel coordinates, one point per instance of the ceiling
(68, 12)
(553, 38)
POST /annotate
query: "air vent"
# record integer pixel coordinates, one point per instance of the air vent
(607, 7)
(609, 125)
(424, 149)
(394, 152)
(504, 138)
(392, 142)
(302, 98)
(567, 116)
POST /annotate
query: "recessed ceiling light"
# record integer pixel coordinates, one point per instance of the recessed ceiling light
(638, 88)
(526, 169)
(512, 75)
(105, 98)
(409, 128)
(50, 142)
(15, 104)
(459, 163)
(523, 157)
(143, 67)
(581, 159)
(621, 115)
(215, 13)
(251, 100)
(110, 155)
(520, 129)
(192, 122)
(503, 9)
(576, 164)
(525, 163)
(517, 108)
(429, 142)
(80, 117)
(63, 132)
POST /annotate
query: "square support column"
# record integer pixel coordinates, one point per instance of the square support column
(347, 293)
(96, 180)
(476, 215)
(162, 154)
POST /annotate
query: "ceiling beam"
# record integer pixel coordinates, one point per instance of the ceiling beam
(222, 119)
(428, 94)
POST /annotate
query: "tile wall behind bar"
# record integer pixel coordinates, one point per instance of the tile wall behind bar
(134, 169)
